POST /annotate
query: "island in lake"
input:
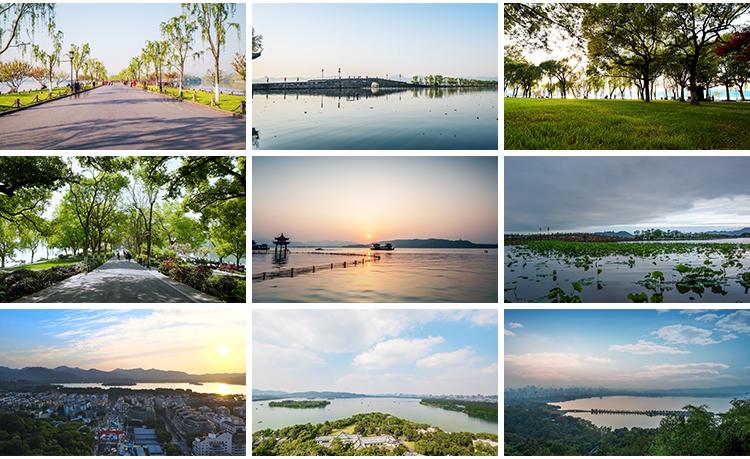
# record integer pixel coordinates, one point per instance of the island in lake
(300, 403)
(482, 410)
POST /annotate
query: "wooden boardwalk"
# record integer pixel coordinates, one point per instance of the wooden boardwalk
(257, 277)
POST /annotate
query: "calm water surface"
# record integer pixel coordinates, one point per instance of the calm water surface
(532, 278)
(716, 405)
(401, 276)
(414, 119)
(342, 408)
(206, 388)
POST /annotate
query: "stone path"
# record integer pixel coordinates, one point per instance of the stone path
(119, 281)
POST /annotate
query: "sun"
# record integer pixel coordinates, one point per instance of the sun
(368, 236)
(223, 350)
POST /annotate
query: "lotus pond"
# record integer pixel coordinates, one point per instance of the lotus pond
(659, 272)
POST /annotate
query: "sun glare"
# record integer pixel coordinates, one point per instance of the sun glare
(223, 389)
(223, 350)
(368, 236)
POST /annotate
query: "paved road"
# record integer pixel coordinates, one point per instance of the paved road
(119, 281)
(117, 117)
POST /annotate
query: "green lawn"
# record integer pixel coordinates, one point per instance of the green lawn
(349, 430)
(6, 100)
(226, 102)
(542, 124)
(48, 264)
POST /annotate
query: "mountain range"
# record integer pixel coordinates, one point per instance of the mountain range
(276, 394)
(431, 244)
(63, 374)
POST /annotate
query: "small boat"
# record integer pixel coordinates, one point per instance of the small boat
(318, 248)
(259, 422)
(256, 55)
(377, 246)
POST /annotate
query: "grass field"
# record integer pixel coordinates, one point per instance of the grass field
(226, 102)
(6, 100)
(349, 430)
(544, 124)
(48, 264)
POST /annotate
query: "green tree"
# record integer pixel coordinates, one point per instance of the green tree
(26, 185)
(534, 23)
(692, 435)
(80, 57)
(212, 19)
(8, 241)
(156, 52)
(51, 60)
(257, 42)
(179, 34)
(13, 17)
(697, 27)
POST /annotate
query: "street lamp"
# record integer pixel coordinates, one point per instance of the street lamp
(71, 53)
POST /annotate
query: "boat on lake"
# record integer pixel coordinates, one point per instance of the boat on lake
(377, 246)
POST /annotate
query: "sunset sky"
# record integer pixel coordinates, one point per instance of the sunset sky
(376, 351)
(595, 193)
(635, 348)
(195, 341)
(349, 198)
(375, 39)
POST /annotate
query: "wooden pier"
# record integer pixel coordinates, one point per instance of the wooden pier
(257, 277)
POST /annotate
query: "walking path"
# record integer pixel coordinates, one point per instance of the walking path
(119, 281)
(118, 117)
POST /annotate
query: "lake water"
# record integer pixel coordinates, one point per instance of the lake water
(413, 119)
(342, 408)
(532, 277)
(400, 276)
(205, 388)
(616, 421)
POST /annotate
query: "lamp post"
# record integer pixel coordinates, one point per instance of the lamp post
(70, 55)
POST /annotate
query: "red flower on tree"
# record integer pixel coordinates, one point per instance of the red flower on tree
(738, 45)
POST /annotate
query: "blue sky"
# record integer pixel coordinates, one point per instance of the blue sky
(640, 348)
(377, 351)
(449, 39)
(117, 32)
(106, 339)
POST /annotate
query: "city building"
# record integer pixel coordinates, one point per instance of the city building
(358, 441)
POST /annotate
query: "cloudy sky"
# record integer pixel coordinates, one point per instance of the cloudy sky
(376, 351)
(649, 349)
(349, 198)
(195, 341)
(587, 193)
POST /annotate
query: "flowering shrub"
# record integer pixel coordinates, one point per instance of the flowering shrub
(167, 266)
(228, 267)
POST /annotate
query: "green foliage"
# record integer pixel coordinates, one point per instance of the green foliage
(21, 435)
(483, 410)
(300, 403)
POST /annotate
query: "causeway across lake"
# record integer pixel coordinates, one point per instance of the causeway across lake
(119, 281)
(117, 117)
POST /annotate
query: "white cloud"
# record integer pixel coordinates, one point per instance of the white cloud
(544, 360)
(395, 352)
(679, 371)
(691, 312)
(736, 322)
(599, 360)
(508, 333)
(707, 318)
(484, 317)
(661, 311)
(728, 337)
(685, 334)
(645, 347)
(514, 325)
(457, 358)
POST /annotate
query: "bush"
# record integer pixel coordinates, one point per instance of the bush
(167, 265)
(228, 267)
(222, 287)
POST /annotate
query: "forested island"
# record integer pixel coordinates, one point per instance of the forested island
(483, 410)
(371, 434)
(300, 404)
(540, 429)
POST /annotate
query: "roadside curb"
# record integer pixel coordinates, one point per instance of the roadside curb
(196, 296)
(175, 99)
(41, 102)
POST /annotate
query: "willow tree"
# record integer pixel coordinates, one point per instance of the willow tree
(51, 60)
(178, 32)
(16, 16)
(212, 19)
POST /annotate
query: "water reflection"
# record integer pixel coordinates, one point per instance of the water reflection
(356, 94)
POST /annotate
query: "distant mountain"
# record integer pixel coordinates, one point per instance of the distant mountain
(323, 243)
(268, 392)
(431, 244)
(617, 234)
(731, 233)
(65, 374)
(267, 395)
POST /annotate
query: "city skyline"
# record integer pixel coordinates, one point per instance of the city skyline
(193, 341)
(117, 32)
(590, 194)
(362, 39)
(370, 199)
(376, 351)
(626, 349)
